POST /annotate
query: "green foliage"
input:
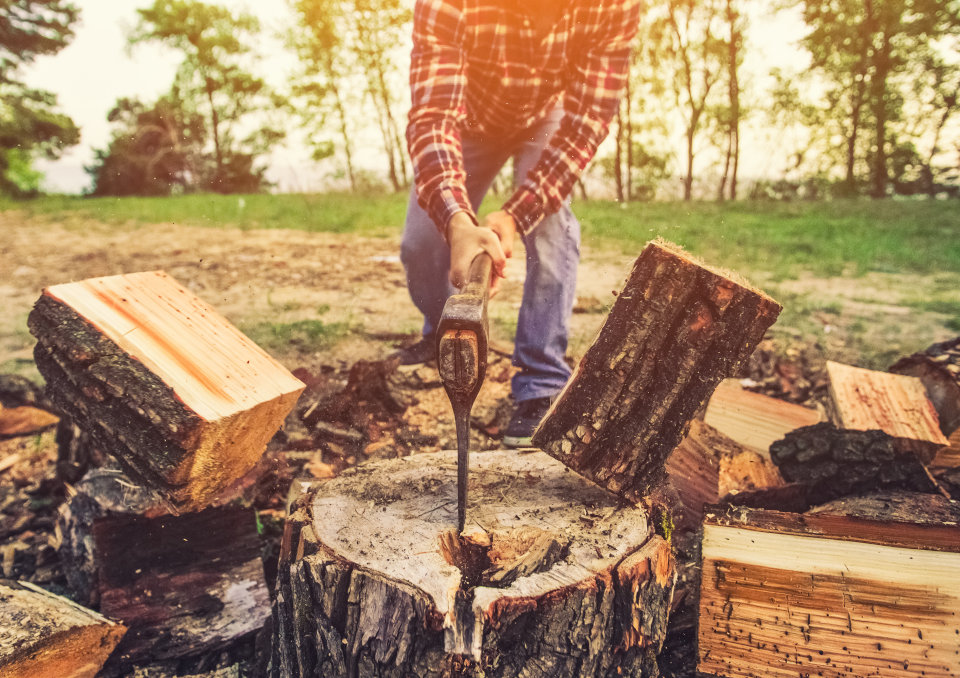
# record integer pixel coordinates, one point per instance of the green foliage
(212, 85)
(29, 121)
(155, 151)
(349, 48)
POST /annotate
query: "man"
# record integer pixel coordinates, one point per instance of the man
(533, 80)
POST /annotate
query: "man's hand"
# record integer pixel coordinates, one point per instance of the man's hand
(505, 227)
(466, 242)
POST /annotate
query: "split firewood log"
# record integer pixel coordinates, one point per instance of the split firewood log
(43, 635)
(553, 575)
(864, 587)
(677, 328)
(161, 381)
(753, 419)
(867, 400)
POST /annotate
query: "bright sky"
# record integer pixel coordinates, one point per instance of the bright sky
(97, 68)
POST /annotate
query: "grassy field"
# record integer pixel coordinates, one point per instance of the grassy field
(866, 280)
(776, 240)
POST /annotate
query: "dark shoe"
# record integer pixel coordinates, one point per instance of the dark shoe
(526, 416)
(423, 351)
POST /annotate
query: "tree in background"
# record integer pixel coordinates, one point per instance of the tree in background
(682, 44)
(729, 116)
(322, 88)
(154, 151)
(29, 121)
(345, 47)
(864, 50)
(213, 83)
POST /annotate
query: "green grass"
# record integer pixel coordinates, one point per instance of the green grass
(848, 237)
(306, 335)
(781, 240)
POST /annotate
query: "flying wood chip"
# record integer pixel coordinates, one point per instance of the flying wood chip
(161, 381)
(677, 328)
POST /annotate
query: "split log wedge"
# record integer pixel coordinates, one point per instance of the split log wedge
(938, 367)
(865, 587)
(677, 328)
(867, 400)
(43, 635)
(161, 381)
(554, 577)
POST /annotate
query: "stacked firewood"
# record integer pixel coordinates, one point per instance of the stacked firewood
(843, 560)
(184, 405)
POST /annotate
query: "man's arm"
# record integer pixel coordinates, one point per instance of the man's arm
(437, 112)
(589, 103)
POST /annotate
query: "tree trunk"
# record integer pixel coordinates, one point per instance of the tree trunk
(676, 329)
(552, 577)
(864, 587)
(43, 635)
(629, 138)
(158, 379)
(183, 584)
(342, 117)
(618, 157)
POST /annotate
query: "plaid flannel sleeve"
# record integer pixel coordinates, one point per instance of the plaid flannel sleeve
(438, 109)
(590, 102)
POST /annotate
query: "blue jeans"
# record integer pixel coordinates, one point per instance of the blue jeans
(553, 254)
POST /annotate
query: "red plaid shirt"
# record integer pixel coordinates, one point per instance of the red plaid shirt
(479, 68)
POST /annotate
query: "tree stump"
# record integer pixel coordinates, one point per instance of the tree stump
(677, 328)
(553, 577)
(161, 381)
(43, 635)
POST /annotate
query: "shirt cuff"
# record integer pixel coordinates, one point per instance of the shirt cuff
(526, 208)
(444, 203)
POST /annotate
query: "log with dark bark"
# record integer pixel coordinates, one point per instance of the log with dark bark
(753, 419)
(183, 584)
(553, 576)
(676, 329)
(43, 635)
(161, 381)
(938, 368)
(867, 400)
(874, 593)
(832, 463)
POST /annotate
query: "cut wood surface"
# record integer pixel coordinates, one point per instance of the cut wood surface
(24, 420)
(43, 635)
(938, 368)
(748, 471)
(866, 400)
(160, 380)
(694, 471)
(554, 577)
(753, 419)
(182, 584)
(829, 594)
(677, 328)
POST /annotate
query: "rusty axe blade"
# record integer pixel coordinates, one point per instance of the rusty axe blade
(462, 361)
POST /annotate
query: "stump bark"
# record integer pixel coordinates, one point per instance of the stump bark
(554, 577)
(161, 381)
(676, 329)
(43, 635)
